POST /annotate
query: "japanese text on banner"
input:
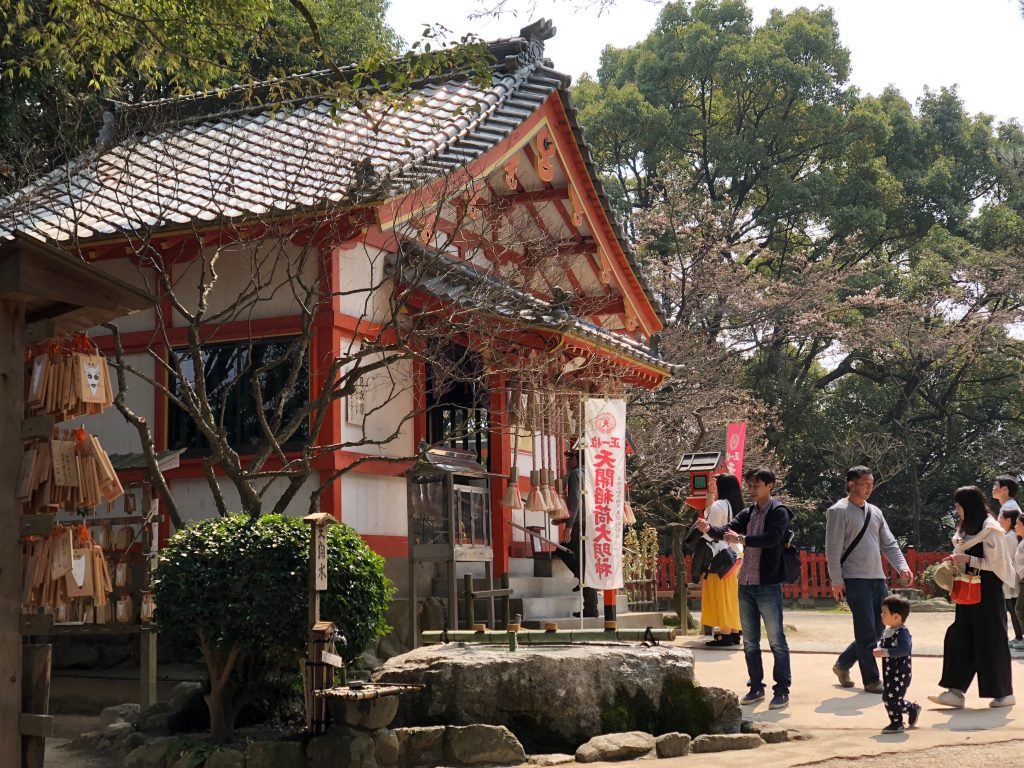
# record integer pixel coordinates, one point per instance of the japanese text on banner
(735, 439)
(605, 441)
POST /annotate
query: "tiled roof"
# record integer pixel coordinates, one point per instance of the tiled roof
(205, 159)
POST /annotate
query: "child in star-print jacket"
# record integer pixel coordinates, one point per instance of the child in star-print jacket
(894, 650)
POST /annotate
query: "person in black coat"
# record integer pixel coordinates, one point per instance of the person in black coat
(761, 528)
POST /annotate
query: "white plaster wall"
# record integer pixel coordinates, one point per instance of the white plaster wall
(195, 502)
(123, 269)
(282, 269)
(374, 505)
(362, 282)
(388, 406)
(115, 434)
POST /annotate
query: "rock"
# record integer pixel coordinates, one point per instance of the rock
(492, 744)
(368, 714)
(275, 754)
(324, 751)
(188, 709)
(722, 742)
(616, 746)
(795, 735)
(88, 741)
(389, 646)
(549, 760)
(386, 747)
(556, 698)
(420, 746)
(132, 741)
(120, 713)
(155, 754)
(673, 744)
(726, 715)
(225, 758)
(366, 660)
(772, 733)
(156, 720)
(119, 730)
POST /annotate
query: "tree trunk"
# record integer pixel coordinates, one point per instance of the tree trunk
(222, 726)
(221, 698)
(915, 496)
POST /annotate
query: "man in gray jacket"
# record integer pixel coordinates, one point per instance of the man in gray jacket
(856, 536)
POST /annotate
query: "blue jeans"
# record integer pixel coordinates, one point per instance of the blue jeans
(759, 603)
(864, 596)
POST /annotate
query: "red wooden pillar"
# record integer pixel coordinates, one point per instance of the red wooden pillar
(805, 587)
(501, 463)
(325, 346)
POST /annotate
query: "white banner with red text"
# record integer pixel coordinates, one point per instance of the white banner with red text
(605, 474)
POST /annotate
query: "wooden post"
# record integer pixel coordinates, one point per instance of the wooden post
(12, 411)
(35, 700)
(318, 523)
(467, 580)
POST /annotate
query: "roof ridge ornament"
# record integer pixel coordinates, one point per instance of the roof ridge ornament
(533, 35)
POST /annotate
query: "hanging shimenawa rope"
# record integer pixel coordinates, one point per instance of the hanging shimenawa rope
(513, 499)
(561, 512)
(534, 500)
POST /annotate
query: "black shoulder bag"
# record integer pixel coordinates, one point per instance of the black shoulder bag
(856, 541)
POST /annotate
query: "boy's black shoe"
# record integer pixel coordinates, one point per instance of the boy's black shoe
(753, 697)
(586, 615)
(893, 728)
(913, 714)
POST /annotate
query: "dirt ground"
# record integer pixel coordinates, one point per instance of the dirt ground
(844, 723)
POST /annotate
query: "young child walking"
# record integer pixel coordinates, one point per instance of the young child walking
(894, 650)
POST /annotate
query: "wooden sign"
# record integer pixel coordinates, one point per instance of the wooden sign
(320, 557)
(333, 659)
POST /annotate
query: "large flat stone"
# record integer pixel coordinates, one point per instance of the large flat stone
(554, 698)
(722, 742)
(483, 744)
(420, 746)
(616, 746)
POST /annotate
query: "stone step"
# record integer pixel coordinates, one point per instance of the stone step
(542, 586)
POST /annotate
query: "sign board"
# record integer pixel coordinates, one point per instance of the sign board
(735, 440)
(605, 474)
(320, 556)
(332, 658)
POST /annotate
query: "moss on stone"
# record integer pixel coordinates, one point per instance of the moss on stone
(683, 709)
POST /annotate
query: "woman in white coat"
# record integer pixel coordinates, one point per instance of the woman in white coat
(719, 598)
(975, 642)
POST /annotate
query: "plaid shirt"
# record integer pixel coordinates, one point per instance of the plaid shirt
(750, 571)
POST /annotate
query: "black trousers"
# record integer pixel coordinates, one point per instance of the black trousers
(572, 562)
(975, 644)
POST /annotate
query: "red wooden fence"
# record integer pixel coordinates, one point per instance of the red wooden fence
(814, 581)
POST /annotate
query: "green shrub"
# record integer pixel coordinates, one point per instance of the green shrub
(238, 587)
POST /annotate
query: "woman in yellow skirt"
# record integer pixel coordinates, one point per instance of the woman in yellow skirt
(719, 599)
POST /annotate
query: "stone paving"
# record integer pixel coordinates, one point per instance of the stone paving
(846, 722)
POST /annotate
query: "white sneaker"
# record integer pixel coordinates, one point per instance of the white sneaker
(950, 698)
(1003, 701)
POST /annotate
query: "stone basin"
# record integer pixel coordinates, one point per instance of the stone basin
(366, 705)
(554, 698)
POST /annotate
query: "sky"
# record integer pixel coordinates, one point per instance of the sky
(977, 45)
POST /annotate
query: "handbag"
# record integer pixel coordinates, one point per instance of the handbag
(966, 589)
(724, 562)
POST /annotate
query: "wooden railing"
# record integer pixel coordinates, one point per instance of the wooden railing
(814, 581)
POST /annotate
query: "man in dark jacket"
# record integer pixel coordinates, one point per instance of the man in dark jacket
(761, 529)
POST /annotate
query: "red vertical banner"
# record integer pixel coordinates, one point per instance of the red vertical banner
(735, 440)
(604, 478)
